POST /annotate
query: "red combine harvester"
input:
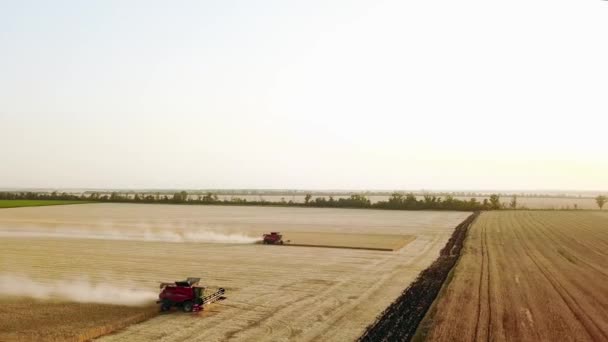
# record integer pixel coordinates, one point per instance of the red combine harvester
(273, 238)
(186, 295)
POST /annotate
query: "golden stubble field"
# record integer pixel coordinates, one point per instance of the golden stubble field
(528, 276)
(274, 293)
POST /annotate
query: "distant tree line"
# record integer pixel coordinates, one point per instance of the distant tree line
(368, 193)
(411, 202)
(63, 196)
(397, 201)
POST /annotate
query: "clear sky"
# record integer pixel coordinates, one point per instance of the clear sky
(470, 94)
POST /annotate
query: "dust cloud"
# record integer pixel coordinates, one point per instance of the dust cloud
(162, 235)
(77, 290)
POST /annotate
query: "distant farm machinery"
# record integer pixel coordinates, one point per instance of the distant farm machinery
(274, 238)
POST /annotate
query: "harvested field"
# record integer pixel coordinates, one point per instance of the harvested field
(527, 276)
(381, 242)
(274, 293)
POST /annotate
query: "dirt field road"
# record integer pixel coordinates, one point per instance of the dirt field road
(528, 276)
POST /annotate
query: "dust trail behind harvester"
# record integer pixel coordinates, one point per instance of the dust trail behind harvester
(163, 235)
(78, 290)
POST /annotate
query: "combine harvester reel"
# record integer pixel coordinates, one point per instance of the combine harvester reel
(186, 295)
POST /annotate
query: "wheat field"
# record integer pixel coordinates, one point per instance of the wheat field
(527, 276)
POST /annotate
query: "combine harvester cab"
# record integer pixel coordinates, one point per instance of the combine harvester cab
(187, 295)
(274, 238)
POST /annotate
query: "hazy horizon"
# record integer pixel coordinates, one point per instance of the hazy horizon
(254, 191)
(304, 95)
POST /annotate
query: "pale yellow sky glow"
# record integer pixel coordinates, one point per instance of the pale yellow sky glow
(319, 94)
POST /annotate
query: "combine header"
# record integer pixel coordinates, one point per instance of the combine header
(187, 295)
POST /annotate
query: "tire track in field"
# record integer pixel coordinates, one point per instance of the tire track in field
(489, 286)
(591, 329)
(481, 280)
(484, 290)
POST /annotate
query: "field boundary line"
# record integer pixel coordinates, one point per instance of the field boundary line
(484, 279)
(489, 285)
(400, 320)
(343, 247)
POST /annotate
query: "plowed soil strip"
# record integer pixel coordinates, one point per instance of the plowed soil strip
(401, 319)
